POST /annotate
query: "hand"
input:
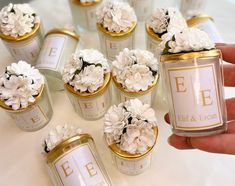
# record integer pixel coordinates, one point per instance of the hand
(221, 143)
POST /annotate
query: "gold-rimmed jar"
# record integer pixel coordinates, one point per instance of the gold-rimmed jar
(75, 161)
(36, 115)
(58, 46)
(91, 106)
(84, 14)
(194, 83)
(112, 43)
(132, 164)
(146, 97)
(26, 47)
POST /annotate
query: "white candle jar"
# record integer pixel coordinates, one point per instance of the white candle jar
(91, 106)
(57, 48)
(36, 115)
(25, 47)
(112, 43)
(192, 7)
(206, 24)
(75, 161)
(84, 14)
(132, 164)
(194, 84)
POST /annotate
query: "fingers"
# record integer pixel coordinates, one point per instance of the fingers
(229, 75)
(230, 104)
(180, 142)
(228, 52)
(231, 127)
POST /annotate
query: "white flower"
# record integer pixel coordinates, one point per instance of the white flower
(17, 19)
(116, 16)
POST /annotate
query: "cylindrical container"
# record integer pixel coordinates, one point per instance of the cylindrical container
(84, 14)
(143, 8)
(75, 161)
(132, 164)
(192, 7)
(146, 97)
(91, 106)
(206, 24)
(36, 115)
(194, 84)
(57, 48)
(112, 43)
(25, 47)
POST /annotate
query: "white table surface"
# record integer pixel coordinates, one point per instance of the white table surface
(21, 162)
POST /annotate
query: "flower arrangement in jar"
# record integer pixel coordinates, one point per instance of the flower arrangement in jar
(194, 82)
(135, 75)
(116, 23)
(130, 130)
(20, 31)
(87, 77)
(24, 95)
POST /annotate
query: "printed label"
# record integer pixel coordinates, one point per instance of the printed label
(51, 52)
(152, 45)
(142, 8)
(91, 18)
(31, 119)
(146, 98)
(195, 99)
(79, 167)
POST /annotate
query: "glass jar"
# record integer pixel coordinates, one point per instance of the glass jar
(25, 47)
(36, 115)
(206, 24)
(75, 161)
(84, 14)
(112, 43)
(132, 164)
(194, 83)
(91, 106)
(192, 7)
(57, 48)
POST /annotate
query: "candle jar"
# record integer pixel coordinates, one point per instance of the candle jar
(57, 48)
(26, 47)
(91, 106)
(84, 14)
(75, 161)
(192, 7)
(194, 84)
(206, 24)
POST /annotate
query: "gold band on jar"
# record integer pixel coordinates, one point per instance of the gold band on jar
(78, 2)
(64, 32)
(198, 19)
(152, 34)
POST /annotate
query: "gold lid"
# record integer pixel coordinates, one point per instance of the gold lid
(189, 55)
(66, 145)
(65, 32)
(37, 98)
(152, 33)
(198, 19)
(116, 34)
(125, 155)
(107, 78)
(78, 2)
(21, 38)
(150, 88)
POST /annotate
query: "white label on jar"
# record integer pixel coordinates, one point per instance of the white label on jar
(146, 98)
(195, 98)
(152, 45)
(31, 119)
(142, 7)
(79, 167)
(51, 52)
(91, 18)
(132, 167)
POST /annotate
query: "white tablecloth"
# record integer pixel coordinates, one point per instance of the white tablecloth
(21, 162)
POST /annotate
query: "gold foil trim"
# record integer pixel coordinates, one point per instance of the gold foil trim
(21, 38)
(107, 78)
(125, 155)
(116, 34)
(64, 32)
(66, 145)
(198, 19)
(37, 98)
(152, 34)
(87, 4)
(150, 88)
(190, 55)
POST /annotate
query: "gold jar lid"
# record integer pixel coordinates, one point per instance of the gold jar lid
(198, 19)
(87, 4)
(150, 88)
(85, 95)
(125, 155)
(67, 145)
(189, 55)
(64, 31)
(116, 34)
(152, 34)
(37, 98)
(21, 38)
